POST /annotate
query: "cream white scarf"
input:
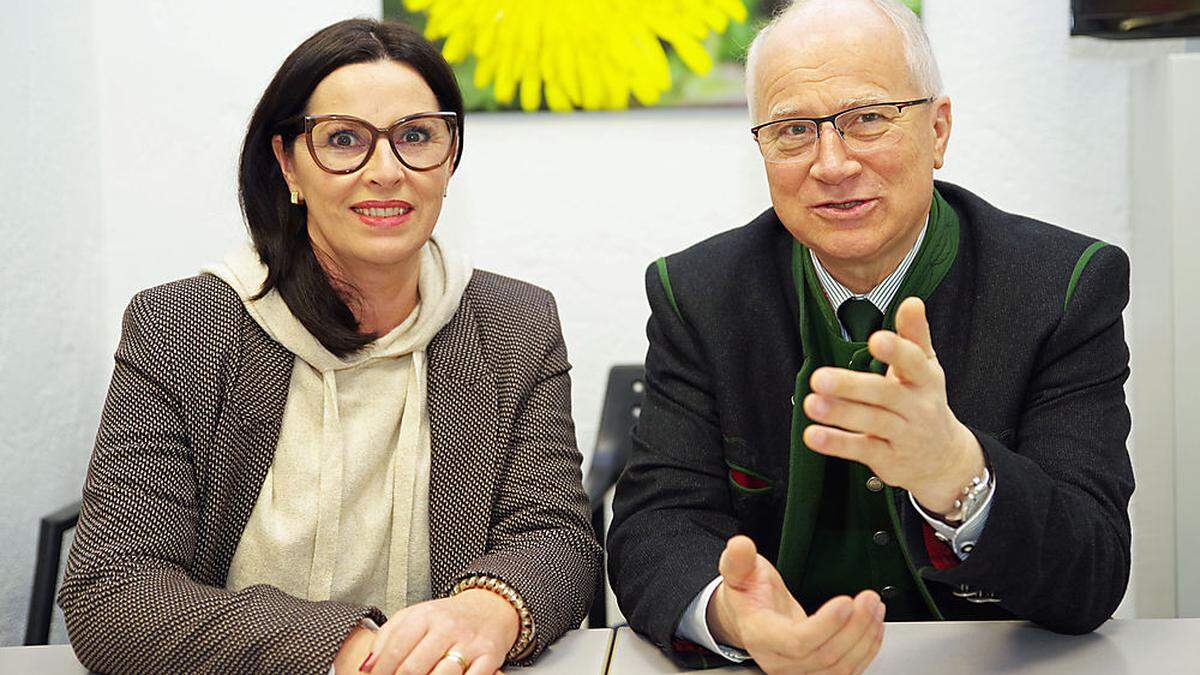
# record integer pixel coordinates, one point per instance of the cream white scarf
(343, 513)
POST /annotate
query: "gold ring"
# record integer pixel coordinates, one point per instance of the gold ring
(458, 658)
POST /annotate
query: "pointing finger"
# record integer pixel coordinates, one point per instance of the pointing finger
(909, 361)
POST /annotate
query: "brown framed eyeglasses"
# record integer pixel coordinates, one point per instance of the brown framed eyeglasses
(344, 144)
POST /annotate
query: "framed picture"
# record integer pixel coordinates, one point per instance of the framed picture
(565, 55)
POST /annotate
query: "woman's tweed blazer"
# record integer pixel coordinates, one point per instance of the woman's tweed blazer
(188, 432)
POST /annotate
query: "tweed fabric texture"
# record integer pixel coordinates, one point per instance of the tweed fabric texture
(1039, 381)
(189, 430)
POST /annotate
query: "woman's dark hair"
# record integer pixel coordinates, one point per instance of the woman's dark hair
(279, 228)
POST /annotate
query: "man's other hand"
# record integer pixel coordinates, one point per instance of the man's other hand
(753, 609)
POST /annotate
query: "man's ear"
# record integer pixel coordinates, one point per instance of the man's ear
(942, 121)
(285, 162)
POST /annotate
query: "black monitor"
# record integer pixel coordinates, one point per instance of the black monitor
(1131, 19)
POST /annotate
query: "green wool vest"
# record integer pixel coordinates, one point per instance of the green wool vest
(841, 531)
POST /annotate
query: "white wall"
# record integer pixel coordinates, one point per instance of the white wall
(50, 366)
(582, 204)
(579, 204)
(1182, 72)
(1167, 233)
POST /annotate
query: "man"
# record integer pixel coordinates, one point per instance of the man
(908, 401)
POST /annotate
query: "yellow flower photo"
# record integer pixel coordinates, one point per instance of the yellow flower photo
(564, 55)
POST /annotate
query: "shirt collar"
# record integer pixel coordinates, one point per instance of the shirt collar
(882, 295)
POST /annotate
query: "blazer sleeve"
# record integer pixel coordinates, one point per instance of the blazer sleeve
(671, 513)
(130, 602)
(540, 539)
(1056, 547)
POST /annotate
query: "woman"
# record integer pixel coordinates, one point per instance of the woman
(341, 423)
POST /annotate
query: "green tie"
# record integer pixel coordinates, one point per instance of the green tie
(860, 318)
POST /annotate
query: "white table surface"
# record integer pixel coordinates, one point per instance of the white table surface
(958, 647)
(579, 652)
(51, 660)
(1125, 646)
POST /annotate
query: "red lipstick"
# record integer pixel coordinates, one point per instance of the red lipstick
(382, 214)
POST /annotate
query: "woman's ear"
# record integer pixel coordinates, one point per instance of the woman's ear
(449, 168)
(285, 162)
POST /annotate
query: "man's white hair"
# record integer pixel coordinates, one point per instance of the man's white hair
(922, 67)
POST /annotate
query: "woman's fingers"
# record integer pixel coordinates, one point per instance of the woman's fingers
(442, 637)
(426, 655)
(392, 644)
(485, 664)
(448, 665)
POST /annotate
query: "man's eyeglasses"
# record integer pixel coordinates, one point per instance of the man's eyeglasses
(863, 128)
(344, 144)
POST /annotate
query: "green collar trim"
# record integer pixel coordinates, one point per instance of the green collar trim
(934, 260)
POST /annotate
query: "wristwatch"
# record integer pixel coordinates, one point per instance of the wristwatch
(973, 496)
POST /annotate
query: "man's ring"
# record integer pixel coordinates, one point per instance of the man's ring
(458, 658)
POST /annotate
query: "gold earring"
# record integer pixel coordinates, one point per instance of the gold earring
(296, 198)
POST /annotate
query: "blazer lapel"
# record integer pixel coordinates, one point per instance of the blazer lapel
(244, 443)
(463, 418)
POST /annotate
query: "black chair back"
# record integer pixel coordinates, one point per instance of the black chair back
(45, 572)
(614, 442)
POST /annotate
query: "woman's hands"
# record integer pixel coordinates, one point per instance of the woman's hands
(477, 624)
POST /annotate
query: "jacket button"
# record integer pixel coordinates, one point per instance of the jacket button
(888, 592)
(874, 484)
(882, 538)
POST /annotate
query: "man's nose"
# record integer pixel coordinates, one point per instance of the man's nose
(834, 161)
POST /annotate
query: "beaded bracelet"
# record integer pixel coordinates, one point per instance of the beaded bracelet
(525, 636)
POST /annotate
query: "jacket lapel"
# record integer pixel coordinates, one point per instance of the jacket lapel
(464, 460)
(244, 442)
